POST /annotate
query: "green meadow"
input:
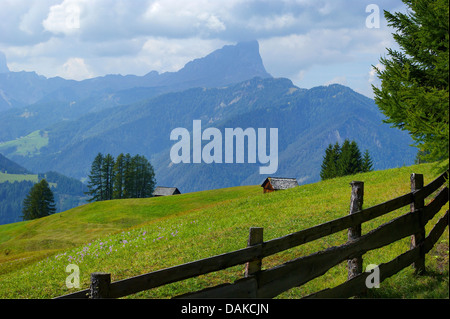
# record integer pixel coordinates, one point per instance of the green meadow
(135, 236)
(28, 145)
(5, 177)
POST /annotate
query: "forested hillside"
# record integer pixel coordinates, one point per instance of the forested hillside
(16, 182)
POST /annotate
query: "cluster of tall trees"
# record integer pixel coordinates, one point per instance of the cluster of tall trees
(344, 160)
(124, 177)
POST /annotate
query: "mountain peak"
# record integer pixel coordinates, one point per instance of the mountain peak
(3, 66)
(230, 64)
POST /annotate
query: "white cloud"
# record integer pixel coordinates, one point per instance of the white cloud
(75, 69)
(297, 37)
(337, 80)
(373, 73)
(163, 54)
(64, 18)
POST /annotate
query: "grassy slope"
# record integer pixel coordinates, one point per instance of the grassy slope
(131, 237)
(5, 177)
(27, 145)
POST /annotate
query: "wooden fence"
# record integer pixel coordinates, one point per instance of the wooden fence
(269, 283)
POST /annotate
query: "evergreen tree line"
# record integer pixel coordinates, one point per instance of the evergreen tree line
(344, 160)
(124, 177)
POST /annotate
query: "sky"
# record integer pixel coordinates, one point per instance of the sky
(311, 42)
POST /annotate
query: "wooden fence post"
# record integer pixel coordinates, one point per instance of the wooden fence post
(419, 237)
(356, 203)
(100, 285)
(255, 237)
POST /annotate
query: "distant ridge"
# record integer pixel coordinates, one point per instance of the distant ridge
(230, 64)
(8, 166)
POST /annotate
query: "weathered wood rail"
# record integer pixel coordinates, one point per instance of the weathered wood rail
(269, 283)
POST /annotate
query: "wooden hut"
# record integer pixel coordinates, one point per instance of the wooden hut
(165, 191)
(272, 184)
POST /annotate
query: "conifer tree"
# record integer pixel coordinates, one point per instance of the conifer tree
(344, 160)
(415, 80)
(119, 177)
(330, 160)
(108, 176)
(355, 159)
(95, 183)
(144, 176)
(128, 171)
(39, 202)
(367, 164)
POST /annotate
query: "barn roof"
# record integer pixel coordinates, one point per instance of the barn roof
(280, 182)
(165, 191)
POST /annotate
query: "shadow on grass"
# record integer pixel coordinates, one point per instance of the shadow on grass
(431, 285)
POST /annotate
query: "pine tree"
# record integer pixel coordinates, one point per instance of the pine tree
(415, 80)
(108, 176)
(39, 202)
(128, 178)
(344, 162)
(119, 177)
(145, 182)
(329, 164)
(367, 164)
(355, 159)
(95, 183)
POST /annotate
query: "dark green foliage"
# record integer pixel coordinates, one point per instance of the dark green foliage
(415, 81)
(367, 164)
(12, 196)
(125, 177)
(329, 167)
(67, 194)
(107, 176)
(39, 202)
(119, 177)
(95, 183)
(344, 160)
(144, 177)
(350, 159)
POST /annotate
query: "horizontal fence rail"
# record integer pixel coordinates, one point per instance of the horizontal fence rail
(271, 282)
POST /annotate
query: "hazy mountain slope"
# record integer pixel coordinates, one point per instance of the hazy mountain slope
(30, 101)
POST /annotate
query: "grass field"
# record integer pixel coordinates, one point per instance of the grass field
(28, 145)
(18, 177)
(136, 236)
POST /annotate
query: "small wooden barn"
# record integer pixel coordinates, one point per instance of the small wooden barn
(165, 191)
(272, 184)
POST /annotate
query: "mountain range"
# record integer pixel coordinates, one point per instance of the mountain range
(60, 125)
